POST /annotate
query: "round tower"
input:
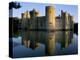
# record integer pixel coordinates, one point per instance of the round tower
(50, 25)
(50, 17)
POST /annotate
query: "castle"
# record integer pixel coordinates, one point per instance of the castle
(33, 20)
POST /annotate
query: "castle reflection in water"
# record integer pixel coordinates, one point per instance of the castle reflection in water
(32, 39)
(47, 29)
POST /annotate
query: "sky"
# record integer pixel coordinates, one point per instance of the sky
(72, 9)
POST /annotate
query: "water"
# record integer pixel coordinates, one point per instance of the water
(43, 43)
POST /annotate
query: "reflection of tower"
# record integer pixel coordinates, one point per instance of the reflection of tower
(67, 36)
(30, 39)
(33, 39)
(25, 39)
(50, 43)
(50, 17)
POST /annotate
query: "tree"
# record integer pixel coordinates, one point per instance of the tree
(15, 5)
(13, 24)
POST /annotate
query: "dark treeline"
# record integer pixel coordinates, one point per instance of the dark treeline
(76, 28)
